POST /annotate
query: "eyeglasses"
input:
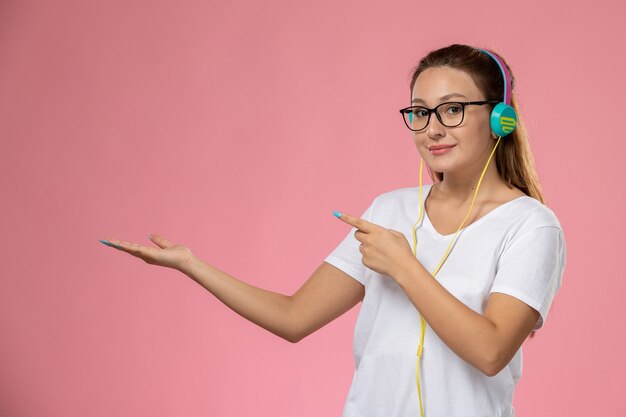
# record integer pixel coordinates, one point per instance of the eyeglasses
(450, 114)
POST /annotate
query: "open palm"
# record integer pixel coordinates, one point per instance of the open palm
(166, 254)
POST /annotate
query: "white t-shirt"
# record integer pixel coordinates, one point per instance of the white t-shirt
(518, 249)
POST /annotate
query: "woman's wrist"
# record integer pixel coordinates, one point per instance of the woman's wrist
(189, 264)
(407, 270)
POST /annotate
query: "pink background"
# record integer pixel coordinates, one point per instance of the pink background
(236, 128)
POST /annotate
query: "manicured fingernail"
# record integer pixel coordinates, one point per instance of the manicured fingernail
(149, 237)
(106, 242)
(336, 214)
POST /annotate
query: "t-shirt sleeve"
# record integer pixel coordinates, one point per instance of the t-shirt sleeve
(347, 257)
(531, 269)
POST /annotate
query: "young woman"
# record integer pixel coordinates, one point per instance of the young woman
(443, 318)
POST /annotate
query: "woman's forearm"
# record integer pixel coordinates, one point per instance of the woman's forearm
(469, 334)
(267, 309)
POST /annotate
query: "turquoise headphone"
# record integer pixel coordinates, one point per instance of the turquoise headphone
(503, 117)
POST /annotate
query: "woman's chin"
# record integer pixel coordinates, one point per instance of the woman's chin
(440, 167)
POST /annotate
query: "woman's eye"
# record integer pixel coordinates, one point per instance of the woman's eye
(420, 113)
(454, 109)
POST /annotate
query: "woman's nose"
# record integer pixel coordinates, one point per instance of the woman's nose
(435, 128)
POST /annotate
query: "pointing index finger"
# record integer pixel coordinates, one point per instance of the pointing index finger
(362, 225)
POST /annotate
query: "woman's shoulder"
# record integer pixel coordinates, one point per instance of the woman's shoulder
(401, 194)
(532, 213)
(400, 197)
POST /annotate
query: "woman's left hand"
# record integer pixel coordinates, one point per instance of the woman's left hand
(385, 251)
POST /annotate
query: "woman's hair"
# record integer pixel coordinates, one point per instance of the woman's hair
(514, 159)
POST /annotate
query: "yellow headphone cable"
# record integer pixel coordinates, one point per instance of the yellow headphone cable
(420, 347)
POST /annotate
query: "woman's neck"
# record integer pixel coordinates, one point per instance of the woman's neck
(459, 190)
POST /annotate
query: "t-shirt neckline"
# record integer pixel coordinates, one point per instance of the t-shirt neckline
(497, 209)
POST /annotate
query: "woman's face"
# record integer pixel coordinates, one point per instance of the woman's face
(471, 140)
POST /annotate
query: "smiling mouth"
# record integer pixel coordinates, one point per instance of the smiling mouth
(438, 147)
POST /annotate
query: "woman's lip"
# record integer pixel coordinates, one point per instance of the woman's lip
(435, 147)
(440, 150)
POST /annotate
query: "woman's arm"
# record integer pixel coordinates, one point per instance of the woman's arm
(488, 342)
(326, 295)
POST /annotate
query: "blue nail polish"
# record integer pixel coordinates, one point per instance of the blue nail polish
(106, 242)
(336, 214)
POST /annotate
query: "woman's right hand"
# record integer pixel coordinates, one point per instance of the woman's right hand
(167, 254)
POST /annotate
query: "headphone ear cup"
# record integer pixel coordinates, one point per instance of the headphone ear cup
(503, 119)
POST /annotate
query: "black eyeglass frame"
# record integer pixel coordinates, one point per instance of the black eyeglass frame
(407, 110)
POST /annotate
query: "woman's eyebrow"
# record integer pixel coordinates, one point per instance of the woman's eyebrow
(447, 96)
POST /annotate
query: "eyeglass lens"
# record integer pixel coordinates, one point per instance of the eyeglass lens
(450, 114)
